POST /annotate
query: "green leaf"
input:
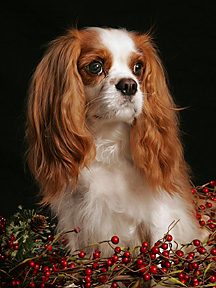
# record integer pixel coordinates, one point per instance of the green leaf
(136, 284)
(134, 249)
(175, 272)
(175, 281)
(113, 267)
(207, 268)
(94, 244)
(210, 285)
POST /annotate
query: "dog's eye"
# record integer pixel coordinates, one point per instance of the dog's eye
(137, 68)
(95, 68)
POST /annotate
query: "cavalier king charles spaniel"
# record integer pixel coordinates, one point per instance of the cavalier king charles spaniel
(104, 140)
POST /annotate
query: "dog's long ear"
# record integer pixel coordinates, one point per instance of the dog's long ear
(59, 141)
(155, 145)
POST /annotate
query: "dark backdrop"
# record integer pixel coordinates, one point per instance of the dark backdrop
(185, 34)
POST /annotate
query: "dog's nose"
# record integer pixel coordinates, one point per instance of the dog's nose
(127, 86)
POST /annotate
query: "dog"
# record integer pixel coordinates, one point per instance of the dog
(104, 144)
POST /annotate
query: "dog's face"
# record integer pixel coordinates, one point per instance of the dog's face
(112, 69)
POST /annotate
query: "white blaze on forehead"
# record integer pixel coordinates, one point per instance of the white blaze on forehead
(120, 45)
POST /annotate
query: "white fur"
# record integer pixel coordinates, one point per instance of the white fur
(111, 198)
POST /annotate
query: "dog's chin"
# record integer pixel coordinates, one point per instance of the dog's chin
(124, 113)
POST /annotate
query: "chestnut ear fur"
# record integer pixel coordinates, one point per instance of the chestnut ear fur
(59, 140)
(155, 146)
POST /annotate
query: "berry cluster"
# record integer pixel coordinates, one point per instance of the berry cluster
(51, 264)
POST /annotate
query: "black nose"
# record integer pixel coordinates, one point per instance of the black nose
(127, 86)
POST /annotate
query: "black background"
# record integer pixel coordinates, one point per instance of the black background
(185, 34)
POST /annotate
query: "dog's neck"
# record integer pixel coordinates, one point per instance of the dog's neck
(112, 141)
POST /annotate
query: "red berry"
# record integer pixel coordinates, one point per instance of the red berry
(45, 279)
(114, 285)
(202, 250)
(55, 267)
(205, 190)
(186, 277)
(146, 277)
(139, 261)
(48, 247)
(142, 268)
(196, 242)
(212, 226)
(109, 262)
(213, 183)
(165, 254)
(143, 249)
(167, 264)
(125, 260)
(87, 279)
(46, 268)
(103, 269)
(87, 284)
(32, 285)
(103, 278)
(164, 246)
(50, 238)
(88, 272)
(77, 230)
(195, 282)
(202, 223)
(153, 269)
(115, 240)
(36, 267)
(155, 250)
(81, 254)
(64, 263)
(10, 244)
(72, 266)
(213, 251)
(31, 263)
(197, 272)
(193, 190)
(117, 249)
(195, 265)
(12, 238)
(180, 275)
(209, 205)
(127, 254)
(212, 278)
(115, 258)
(183, 281)
(42, 285)
(96, 255)
(152, 255)
(47, 273)
(169, 237)
(179, 253)
(95, 265)
(145, 244)
(164, 269)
